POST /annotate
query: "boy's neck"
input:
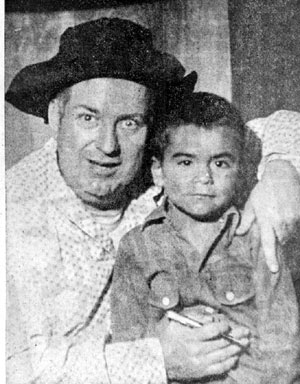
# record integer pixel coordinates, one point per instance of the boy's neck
(196, 231)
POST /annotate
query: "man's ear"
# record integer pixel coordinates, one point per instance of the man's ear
(54, 115)
(156, 171)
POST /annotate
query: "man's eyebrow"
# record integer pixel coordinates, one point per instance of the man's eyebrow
(83, 106)
(131, 116)
(183, 154)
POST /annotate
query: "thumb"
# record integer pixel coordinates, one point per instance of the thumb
(268, 241)
(248, 217)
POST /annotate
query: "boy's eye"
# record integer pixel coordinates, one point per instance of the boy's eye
(186, 163)
(222, 164)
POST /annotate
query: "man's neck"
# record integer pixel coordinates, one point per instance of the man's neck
(109, 213)
(108, 219)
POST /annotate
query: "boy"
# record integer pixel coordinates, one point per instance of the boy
(186, 257)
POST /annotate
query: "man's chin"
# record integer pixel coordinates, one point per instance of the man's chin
(111, 200)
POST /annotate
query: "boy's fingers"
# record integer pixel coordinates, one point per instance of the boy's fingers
(240, 332)
(212, 330)
(223, 354)
(212, 345)
(222, 367)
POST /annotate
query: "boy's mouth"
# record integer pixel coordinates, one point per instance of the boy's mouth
(204, 195)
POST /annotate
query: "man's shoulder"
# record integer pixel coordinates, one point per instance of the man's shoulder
(27, 178)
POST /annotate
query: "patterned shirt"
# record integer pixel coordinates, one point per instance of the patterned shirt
(280, 137)
(59, 263)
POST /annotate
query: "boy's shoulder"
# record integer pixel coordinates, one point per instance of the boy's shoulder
(150, 230)
(151, 223)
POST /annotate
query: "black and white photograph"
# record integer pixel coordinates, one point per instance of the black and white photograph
(152, 191)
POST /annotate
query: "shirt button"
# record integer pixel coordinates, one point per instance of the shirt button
(229, 296)
(165, 301)
(209, 310)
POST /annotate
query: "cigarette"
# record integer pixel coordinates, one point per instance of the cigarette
(187, 321)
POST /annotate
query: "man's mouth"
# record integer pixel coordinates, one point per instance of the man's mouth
(104, 167)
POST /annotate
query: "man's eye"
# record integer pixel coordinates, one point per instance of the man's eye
(185, 163)
(128, 124)
(87, 118)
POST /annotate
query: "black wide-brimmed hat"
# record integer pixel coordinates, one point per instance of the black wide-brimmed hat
(107, 47)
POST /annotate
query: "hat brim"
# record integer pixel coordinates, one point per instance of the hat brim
(36, 85)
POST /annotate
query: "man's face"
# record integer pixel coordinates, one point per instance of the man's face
(199, 170)
(101, 139)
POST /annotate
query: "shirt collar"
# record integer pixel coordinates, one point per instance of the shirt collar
(159, 214)
(229, 220)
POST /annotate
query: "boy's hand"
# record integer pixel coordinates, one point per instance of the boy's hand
(190, 353)
(275, 204)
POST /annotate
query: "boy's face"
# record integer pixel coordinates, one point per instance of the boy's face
(199, 170)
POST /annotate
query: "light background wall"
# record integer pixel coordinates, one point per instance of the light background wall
(196, 31)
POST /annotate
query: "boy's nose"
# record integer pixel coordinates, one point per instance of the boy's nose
(205, 179)
(204, 176)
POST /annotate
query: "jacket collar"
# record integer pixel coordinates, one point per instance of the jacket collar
(230, 220)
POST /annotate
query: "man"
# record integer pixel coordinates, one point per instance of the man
(99, 93)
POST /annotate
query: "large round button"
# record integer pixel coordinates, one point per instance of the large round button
(229, 296)
(165, 301)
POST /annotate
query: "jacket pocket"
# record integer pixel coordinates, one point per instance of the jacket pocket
(164, 293)
(231, 284)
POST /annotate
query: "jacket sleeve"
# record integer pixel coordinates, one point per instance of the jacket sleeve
(130, 311)
(275, 351)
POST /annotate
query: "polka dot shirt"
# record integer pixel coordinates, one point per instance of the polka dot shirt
(59, 263)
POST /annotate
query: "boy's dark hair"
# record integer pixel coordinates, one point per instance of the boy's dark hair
(203, 109)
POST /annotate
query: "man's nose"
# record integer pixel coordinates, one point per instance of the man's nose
(107, 140)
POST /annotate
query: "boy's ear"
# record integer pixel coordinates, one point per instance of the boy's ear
(156, 171)
(54, 115)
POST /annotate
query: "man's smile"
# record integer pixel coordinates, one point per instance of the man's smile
(104, 167)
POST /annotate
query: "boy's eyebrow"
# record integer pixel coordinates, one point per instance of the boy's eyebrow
(217, 156)
(231, 156)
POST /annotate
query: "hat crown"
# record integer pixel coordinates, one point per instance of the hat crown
(104, 36)
(107, 47)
